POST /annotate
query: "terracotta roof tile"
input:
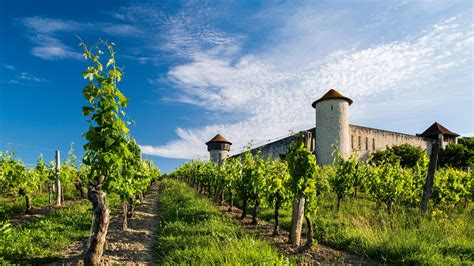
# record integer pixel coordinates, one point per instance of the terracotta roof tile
(331, 94)
(436, 129)
(218, 139)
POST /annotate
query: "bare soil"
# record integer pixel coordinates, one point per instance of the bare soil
(317, 255)
(131, 247)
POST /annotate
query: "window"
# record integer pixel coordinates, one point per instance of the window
(352, 142)
(366, 143)
(360, 145)
(373, 143)
(331, 107)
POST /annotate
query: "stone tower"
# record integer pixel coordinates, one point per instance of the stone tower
(218, 148)
(332, 126)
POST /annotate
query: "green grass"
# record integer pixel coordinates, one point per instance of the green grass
(9, 206)
(404, 237)
(41, 240)
(193, 231)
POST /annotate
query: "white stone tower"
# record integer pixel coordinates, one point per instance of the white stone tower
(218, 148)
(332, 127)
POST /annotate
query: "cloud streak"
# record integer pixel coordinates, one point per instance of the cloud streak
(274, 98)
(44, 33)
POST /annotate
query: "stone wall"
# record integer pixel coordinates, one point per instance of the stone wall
(365, 140)
(370, 139)
(217, 156)
(276, 149)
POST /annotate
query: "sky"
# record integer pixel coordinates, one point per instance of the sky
(248, 70)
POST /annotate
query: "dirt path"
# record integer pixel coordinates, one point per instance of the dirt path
(316, 256)
(134, 246)
(131, 247)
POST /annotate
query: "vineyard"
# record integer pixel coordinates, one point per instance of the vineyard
(370, 209)
(366, 211)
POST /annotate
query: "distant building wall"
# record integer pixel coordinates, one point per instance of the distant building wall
(275, 150)
(365, 140)
(370, 139)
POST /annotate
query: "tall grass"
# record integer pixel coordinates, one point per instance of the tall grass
(193, 232)
(405, 237)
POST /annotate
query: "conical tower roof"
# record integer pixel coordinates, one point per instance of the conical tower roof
(332, 94)
(218, 139)
(435, 130)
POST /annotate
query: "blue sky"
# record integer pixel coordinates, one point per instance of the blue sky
(248, 70)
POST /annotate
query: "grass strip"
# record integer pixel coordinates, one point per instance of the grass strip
(40, 240)
(193, 231)
(404, 237)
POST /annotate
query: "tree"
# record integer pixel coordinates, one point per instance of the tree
(106, 147)
(459, 155)
(406, 155)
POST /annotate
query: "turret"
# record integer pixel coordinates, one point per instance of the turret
(218, 148)
(332, 126)
(441, 134)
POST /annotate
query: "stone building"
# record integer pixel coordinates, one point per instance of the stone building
(333, 131)
(218, 148)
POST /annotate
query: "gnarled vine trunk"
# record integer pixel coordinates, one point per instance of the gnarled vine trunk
(255, 212)
(131, 209)
(80, 187)
(28, 203)
(124, 215)
(276, 228)
(244, 209)
(231, 201)
(309, 234)
(339, 200)
(22, 192)
(100, 225)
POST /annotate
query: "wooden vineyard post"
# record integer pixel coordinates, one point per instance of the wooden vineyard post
(49, 193)
(298, 205)
(58, 182)
(428, 187)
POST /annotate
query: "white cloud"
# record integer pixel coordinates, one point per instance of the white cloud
(29, 77)
(44, 34)
(17, 77)
(275, 98)
(8, 67)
